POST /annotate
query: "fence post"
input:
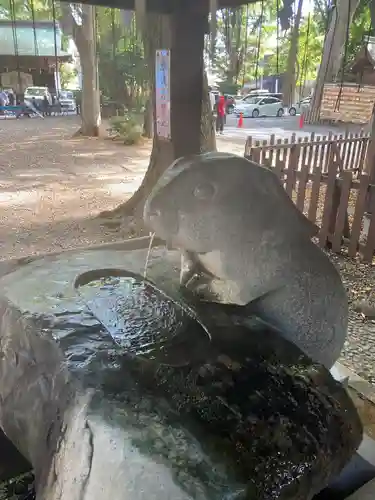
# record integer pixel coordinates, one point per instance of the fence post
(336, 197)
(370, 164)
(358, 215)
(291, 174)
(329, 213)
(248, 146)
(256, 155)
(363, 152)
(341, 223)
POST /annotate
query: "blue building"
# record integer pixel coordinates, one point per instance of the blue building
(272, 83)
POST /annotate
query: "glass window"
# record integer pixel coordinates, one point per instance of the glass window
(37, 91)
(66, 95)
(252, 100)
(271, 100)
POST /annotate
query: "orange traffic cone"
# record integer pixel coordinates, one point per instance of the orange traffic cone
(240, 121)
(301, 120)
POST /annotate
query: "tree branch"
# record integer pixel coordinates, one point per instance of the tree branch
(69, 25)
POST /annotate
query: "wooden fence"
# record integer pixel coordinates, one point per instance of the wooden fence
(348, 150)
(349, 103)
(324, 175)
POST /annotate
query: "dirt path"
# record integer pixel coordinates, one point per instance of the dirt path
(52, 185)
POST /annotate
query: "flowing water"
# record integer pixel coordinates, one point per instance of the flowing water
(142, 319)
(251, 418)
(152, 236)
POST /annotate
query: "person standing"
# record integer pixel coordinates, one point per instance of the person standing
(3, 101)
(45, 107)
(3, 98)
(11, 98)
(78, 102)
(220, 114)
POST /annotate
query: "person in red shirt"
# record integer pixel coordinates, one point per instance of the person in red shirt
(220, 110)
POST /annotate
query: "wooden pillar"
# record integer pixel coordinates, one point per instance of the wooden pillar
(187, 43)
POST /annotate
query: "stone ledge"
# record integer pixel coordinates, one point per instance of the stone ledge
(39, 298)
(140, 242)
(354, 381)
(367, 492)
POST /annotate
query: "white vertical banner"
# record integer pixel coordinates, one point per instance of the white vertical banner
(57, 78)
(162, 91)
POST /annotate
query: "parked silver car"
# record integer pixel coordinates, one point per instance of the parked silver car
(67, 101)
(300, 106)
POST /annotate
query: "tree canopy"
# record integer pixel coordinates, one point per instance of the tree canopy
(252, 42)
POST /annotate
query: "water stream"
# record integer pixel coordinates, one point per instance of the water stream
(152, 236)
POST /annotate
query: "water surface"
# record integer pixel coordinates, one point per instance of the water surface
(143, 320)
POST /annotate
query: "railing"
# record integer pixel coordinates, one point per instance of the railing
(324, 175)
(348, 150)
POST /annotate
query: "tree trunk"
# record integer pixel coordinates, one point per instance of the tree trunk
(148, 125)
(372, 16)
(90, 81)
(158, 32)
(290, 83)
(84, 37)
(334, 44)
(208, 137)
(233, 23)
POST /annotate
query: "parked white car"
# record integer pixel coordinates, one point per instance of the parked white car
(67, 101)
(264, 93)
(38, 94)
(252, 107)
(300, 106)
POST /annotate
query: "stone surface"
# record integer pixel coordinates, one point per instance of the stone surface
(245, 416)
(359, 471)
(358, 279)
(364, 307)
(367, 492)
(12, 463)
(235, 220)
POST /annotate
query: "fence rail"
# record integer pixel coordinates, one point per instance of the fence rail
(325, 177)
(349, 151)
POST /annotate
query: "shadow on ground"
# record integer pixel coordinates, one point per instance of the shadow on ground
(52, 185)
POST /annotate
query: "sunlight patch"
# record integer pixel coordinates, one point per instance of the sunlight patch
(19, 198)
(123, 187)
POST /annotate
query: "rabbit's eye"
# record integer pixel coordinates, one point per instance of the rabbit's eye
(204, 191)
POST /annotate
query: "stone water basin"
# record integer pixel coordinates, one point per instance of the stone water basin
(244, 416)
(142, 319)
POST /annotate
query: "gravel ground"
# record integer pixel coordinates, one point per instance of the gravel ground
(52, 187)
(359, 350)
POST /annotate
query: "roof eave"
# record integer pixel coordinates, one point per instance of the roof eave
(167, 6)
